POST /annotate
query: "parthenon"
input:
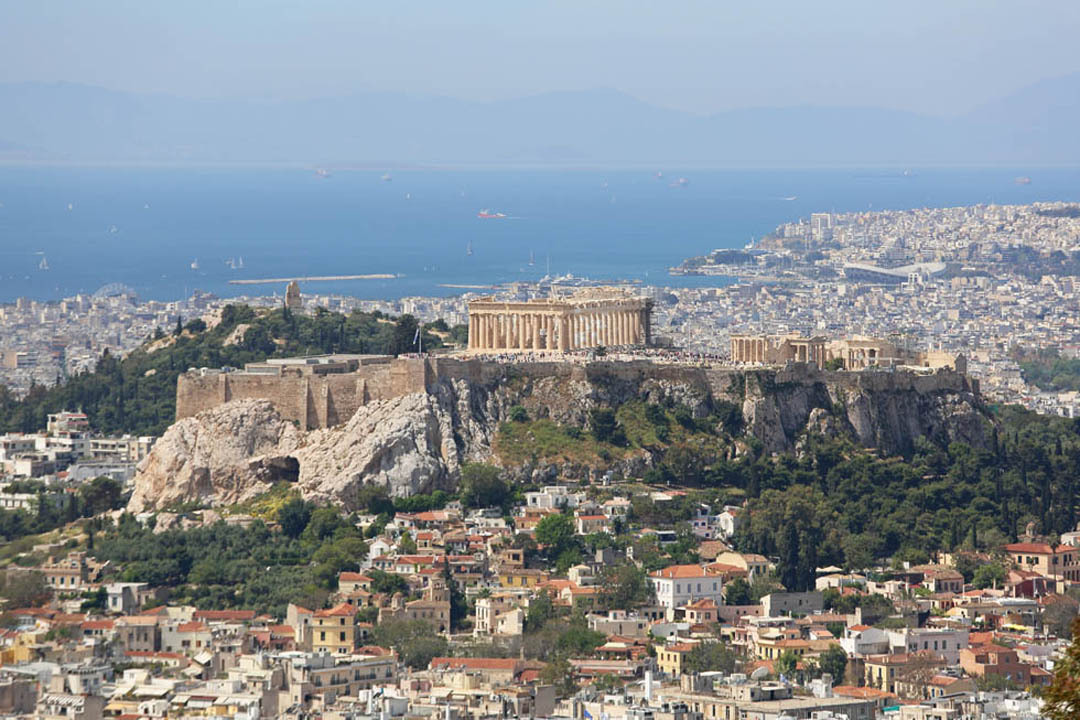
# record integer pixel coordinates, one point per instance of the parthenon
(588, 318)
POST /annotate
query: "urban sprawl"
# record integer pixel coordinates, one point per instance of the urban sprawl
(552, 602)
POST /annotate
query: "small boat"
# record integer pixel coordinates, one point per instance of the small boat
(532, 259)
(322, 173)
(195, 264)
(240, 263)
(44, 264)
(681, 182)
(486, 214)
(70, 207)
(1022, 180)
(468, 248)
(113, 229)
(387, 178)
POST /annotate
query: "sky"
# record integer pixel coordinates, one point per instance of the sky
(939, 57)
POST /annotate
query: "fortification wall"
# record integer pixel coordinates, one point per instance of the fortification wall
(327, 400)
(309, 400)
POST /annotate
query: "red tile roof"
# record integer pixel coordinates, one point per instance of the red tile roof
(341, 610)
(1038, 548)
(680, 571)
(353, 577)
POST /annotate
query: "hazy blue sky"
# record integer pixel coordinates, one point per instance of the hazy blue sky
(938, 56)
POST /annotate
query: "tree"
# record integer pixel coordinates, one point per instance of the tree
(687, 462)
(602, 424)
(786, 664)
(519, 414)
(623, 587)
(101, 495)
(1058, 616)
(541, 609)
(374, 499)
(560, 674)
(415, 641)
(482, 487)
(404, 332)
(709, 657)
(990, 574)
(834, 662)
(387, 583)
(737, 592)
(24, 588)
(294, 517)
(1062, 699)
(556, 533)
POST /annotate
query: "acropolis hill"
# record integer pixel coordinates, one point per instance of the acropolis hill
(409, 423)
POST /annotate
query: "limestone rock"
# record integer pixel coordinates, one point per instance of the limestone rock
(222, 456)
(416, 443)
(405, 445)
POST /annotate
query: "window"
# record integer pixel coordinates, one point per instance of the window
(322, 636)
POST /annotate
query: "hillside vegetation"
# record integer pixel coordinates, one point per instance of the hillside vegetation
(137, 394)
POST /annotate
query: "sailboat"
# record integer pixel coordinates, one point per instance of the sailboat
(532, 259)
(44, 264)
(468, 248)
(240, 263)
(195, 264)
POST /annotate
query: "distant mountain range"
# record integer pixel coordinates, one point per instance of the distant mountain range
(68, 123)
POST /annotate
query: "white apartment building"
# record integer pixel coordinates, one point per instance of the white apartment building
(680, 585)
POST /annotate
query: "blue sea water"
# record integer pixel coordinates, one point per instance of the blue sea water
(144, 227)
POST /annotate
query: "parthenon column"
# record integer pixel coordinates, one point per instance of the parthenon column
(534, 321)
(523, 333)
(564, 333)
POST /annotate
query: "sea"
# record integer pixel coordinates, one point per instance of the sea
(166, 232)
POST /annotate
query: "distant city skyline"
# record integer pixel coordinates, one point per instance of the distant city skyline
(702, 57)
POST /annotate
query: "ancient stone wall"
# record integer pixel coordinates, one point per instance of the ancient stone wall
(319, 401)
(312, 401)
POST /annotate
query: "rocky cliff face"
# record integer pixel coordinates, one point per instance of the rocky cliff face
(417, 443)
(224, 456)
